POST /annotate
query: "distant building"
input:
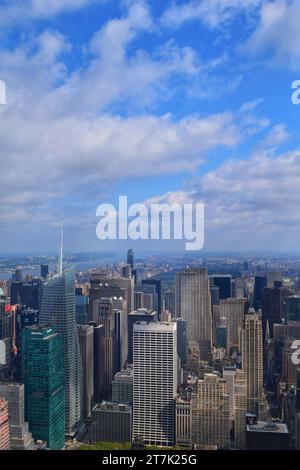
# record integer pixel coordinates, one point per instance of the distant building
(130, 258)
(111, 422)
(81, 306)
(267, 436)
(44, 271)
(169, 301)
(224, 283)
(234, 311)
(27, 293)
(157, 284)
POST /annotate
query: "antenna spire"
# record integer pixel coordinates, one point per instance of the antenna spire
(60, 263)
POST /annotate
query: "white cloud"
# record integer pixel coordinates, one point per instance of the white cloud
(278, 33)
(213, 13)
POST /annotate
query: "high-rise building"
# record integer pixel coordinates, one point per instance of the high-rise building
(21, 438)
(169, 301)
(81, 306)
(291, 307)
(182, 341)
(130, 258)
(193, 305)
(183, 423)
(260, 283)
(86, 344)
(154, 382)
(27, 293)
(157, 284)
(236, 388)
(122, 387)
(234, 311)
(103, 286)
(44, 271)
(252, 361)
(210, 413)
(98, 361)
(142, 314)
(4, 426)
(58, 310)
(273, 306)
(24, 317)
(43, 375)
(17, 277)
(111, 422)
(224, 282)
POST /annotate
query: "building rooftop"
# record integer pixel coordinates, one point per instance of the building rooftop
(110, 406)
(271, 427)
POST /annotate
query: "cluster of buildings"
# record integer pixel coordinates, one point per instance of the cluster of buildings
(204, 365)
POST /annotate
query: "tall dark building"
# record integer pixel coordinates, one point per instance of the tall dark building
(44, 271)
(43, 363)
(17, 277)
(224, 282)
(24, 317)
(260, 284)
(267, 436)
(98, 361)
(273, 306)
(130, 257)
(86, 343)
(182, 340)
(27, 293)
(81, 306)
(157, 284)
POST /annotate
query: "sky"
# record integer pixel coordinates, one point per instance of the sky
(170, 101)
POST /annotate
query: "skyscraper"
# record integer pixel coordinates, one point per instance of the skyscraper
(193, 305)
(224, 282)
(252, 360)
(154, 382)
(58, 310)
(43, 376)
(157, 284)
(130, 258)
(4, 426)
(21, 438)
(44, 271)
(210, 413)
(141, 314)
(86, 344)
(234, 311)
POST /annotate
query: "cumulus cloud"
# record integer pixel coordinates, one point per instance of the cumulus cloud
(277, 33)
(213, 13)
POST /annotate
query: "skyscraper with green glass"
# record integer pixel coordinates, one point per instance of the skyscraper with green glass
(58, 310)
(43, 375)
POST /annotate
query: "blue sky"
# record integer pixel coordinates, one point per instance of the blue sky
(174, 100)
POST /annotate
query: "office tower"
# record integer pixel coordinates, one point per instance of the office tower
(240, 391)
(267, 436)
(210, 413)
(147, 297)
(157, 284)
(20, 437)
(221, 334)
(234, 311)
(182, 341)
(121, 332)
(43, 364)
(138, 300)
(58, 310)
(139, 315)
(98, 361)
(6, 321)
(239, 288)
(291, 329)
(288, 369)
(122, 387)
(107, 319)
(273, 306)
(81, 306)
(215, 295)
(260, 283)
(183, 423)
(27, 293)
(106, 287)
(224, 282)
(24, 317)
(111, 422)
(252, 361)
(17, 277)
(44, 271)
(291, 307)
(169, 301)
(86, 344)
(193, 305)
(130, 258)
(126, 271)
(154, 382)
(6, 339)
(4, 426)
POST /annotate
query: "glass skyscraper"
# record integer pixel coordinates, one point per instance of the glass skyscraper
(43, 376)
(58, 310)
